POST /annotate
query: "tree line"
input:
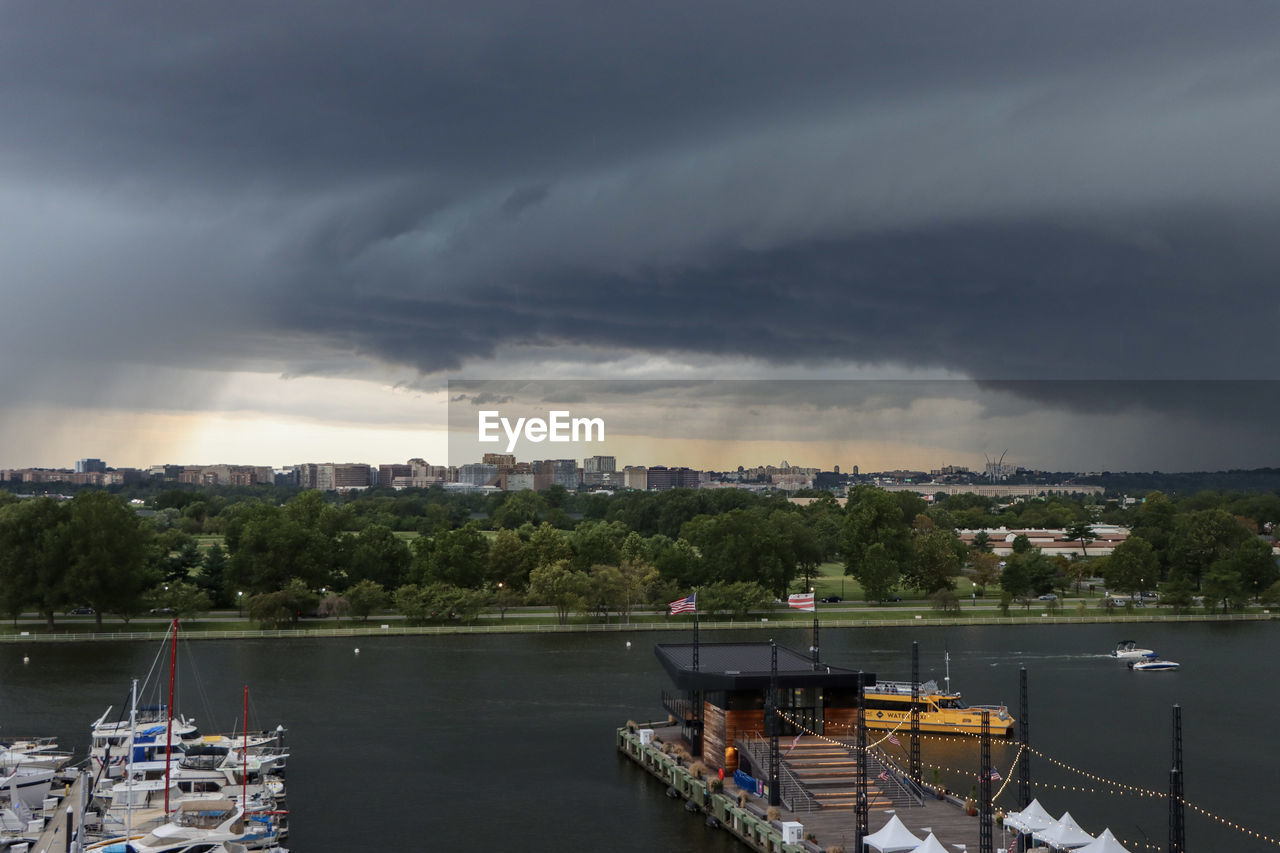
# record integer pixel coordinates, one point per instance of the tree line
(309, 552)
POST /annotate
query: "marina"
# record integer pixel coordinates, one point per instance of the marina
(152, 782)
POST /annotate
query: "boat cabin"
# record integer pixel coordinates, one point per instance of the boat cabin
(720, 692)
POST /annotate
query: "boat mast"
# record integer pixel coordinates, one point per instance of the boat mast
(128, 768)
(946, 657)
(244, 757)
(168, 729)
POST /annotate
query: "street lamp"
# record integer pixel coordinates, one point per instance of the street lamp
(240, 603)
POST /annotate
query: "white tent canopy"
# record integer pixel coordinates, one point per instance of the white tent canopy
(931, 845)
(893, 837)
(1104, 843)
(1064, 834)
(1031, 819)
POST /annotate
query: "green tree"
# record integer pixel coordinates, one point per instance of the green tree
(935, 562)
(605, 591)
(1253, 561)
(1082, 532)
(522, 507)
(743, 545)
(269, 609)
(875, 544)
(986, 569)
(510, 560)
(877, 572)
(1222, 584)
(377, 554)
(212, 575)
(944, 599)
(1178, 593)
(547, 546)
(597, 543)
(981, 542)
(184, 600)
(1202, 538)
(559, 586)
(108, 555)
(413, 603)
(367, 597)
(1133, 566)
(33, 557)
(460, 557)
(271, 546)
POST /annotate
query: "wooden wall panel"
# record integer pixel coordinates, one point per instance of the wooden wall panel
(840, 722)
(713, 736)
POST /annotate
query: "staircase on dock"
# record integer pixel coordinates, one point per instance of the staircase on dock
(819, 773)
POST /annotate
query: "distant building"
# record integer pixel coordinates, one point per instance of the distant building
(516, 481)
(387, 474)
(662, 478)
(635, 477)
(477, 474)
(91, 466)
(352, 475)
(598, 470)
(501, 461)
(307, 475)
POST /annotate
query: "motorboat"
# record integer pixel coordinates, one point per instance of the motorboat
(1128, 650)
(1153, 664)
(27, 784)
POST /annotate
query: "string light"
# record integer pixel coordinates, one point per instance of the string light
(1112, 786)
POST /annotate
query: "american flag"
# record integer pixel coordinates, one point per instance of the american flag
(893, 739)
(995, 775)
(801, 601)
(685, 605)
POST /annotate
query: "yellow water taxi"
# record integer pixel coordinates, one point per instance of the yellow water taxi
(941, 711)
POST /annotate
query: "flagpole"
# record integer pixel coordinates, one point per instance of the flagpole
(695, 637)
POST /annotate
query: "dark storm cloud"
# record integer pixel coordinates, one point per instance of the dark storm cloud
(1017, 191)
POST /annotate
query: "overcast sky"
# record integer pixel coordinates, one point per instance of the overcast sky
(270, 232)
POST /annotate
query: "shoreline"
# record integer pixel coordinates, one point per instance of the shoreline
(387, 629)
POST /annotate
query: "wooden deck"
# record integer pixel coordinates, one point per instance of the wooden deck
(54, 838)
(833, 824)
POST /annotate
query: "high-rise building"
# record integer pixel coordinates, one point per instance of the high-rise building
(91, 466)
(477, 474)
(387, 474)
(351, 475)
(662, 478)
(308, 475)
(635, 477)
(501, 461)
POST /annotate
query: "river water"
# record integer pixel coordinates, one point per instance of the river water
(491, 742)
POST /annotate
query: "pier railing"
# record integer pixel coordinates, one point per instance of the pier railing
(793, 794)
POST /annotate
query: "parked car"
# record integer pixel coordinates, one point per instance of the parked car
(160, 611)
(831, 599)
(81, 611)
(894, 597)
(1049, 596)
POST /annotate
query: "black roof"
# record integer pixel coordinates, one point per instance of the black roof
(745, 666)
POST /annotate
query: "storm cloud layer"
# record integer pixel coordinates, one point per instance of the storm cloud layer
(1007, 191)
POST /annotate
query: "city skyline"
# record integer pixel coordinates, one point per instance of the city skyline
(221, 243)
